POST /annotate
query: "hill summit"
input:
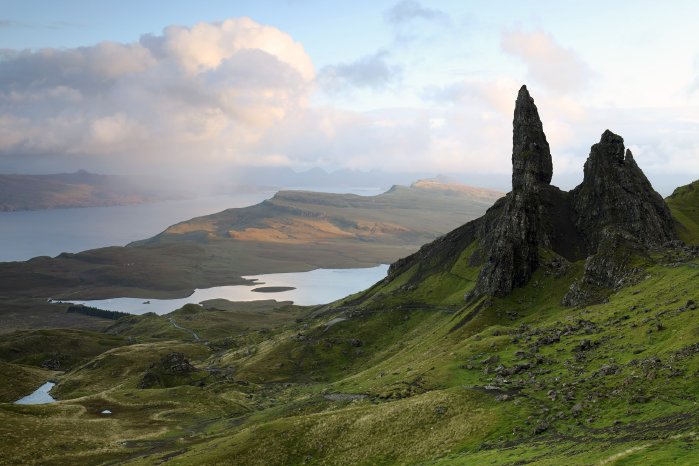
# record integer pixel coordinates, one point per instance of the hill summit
(612, 216)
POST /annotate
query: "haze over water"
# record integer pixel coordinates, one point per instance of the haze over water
(27, 234)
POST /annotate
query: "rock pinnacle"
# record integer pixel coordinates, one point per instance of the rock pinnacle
(531, 155)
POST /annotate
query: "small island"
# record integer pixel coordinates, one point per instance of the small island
(273, 289)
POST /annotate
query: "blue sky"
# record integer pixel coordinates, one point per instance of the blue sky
(424, 86)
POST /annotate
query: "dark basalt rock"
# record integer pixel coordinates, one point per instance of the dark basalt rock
(616, 194)
(512, 245)
(533, 214)
(531, 156)
(609, 268)
(613, 216)
(619, 216)
(175, 363)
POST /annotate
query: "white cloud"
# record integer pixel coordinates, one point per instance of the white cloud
(178, 95)
(548, 64)
(216, 95)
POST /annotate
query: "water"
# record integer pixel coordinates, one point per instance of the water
(27, 234)
(315, 287)
(39, 397)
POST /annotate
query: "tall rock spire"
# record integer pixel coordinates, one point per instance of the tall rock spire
(512, 241)
(531, 155)
(610, 220)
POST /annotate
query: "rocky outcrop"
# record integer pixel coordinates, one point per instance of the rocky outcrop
(611, 267)
(511, 246)
(159, 374)
(531, 155)
(615, 194)
(511, 242)
(612, 217)
(619, 216)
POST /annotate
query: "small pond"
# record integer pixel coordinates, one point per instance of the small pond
(39, 396)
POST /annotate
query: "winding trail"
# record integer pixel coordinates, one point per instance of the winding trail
(176, 325)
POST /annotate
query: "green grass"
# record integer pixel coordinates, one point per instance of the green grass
(65, 347)
(432, 372)
(684, 204)
(124, 365)
(18, 380)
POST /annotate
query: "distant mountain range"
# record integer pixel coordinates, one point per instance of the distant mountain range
(85, 189)
(81, 189)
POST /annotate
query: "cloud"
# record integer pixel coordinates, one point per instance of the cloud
(548, 64)
(409, 10)
(371, 71)
(494, 95)
(215, 96)
(208, 91)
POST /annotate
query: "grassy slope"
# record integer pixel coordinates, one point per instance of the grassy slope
(630, 403)
(684, 203)
(628, 398)
(26, 313)
(68, 347)
(23, 353)
(20, 380)
(508, 381)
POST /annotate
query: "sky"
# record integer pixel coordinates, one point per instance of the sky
(397, 86)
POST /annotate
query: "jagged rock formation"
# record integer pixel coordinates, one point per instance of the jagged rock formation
(533, 214)
(616, 194)
(531, 156)
(619, 215)
(612, 216)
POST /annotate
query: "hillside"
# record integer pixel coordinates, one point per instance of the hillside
(293, 231)
(502, 342)
(80, 189)
(684, 203)
(407, 214)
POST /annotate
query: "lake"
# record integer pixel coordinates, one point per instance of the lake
(39, 396)
(318, 286)
(27, 234)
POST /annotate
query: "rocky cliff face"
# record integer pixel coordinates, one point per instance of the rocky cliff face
(534, 215)
(612, 216)
(619, 216)
(531, 155)
(616, 194)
